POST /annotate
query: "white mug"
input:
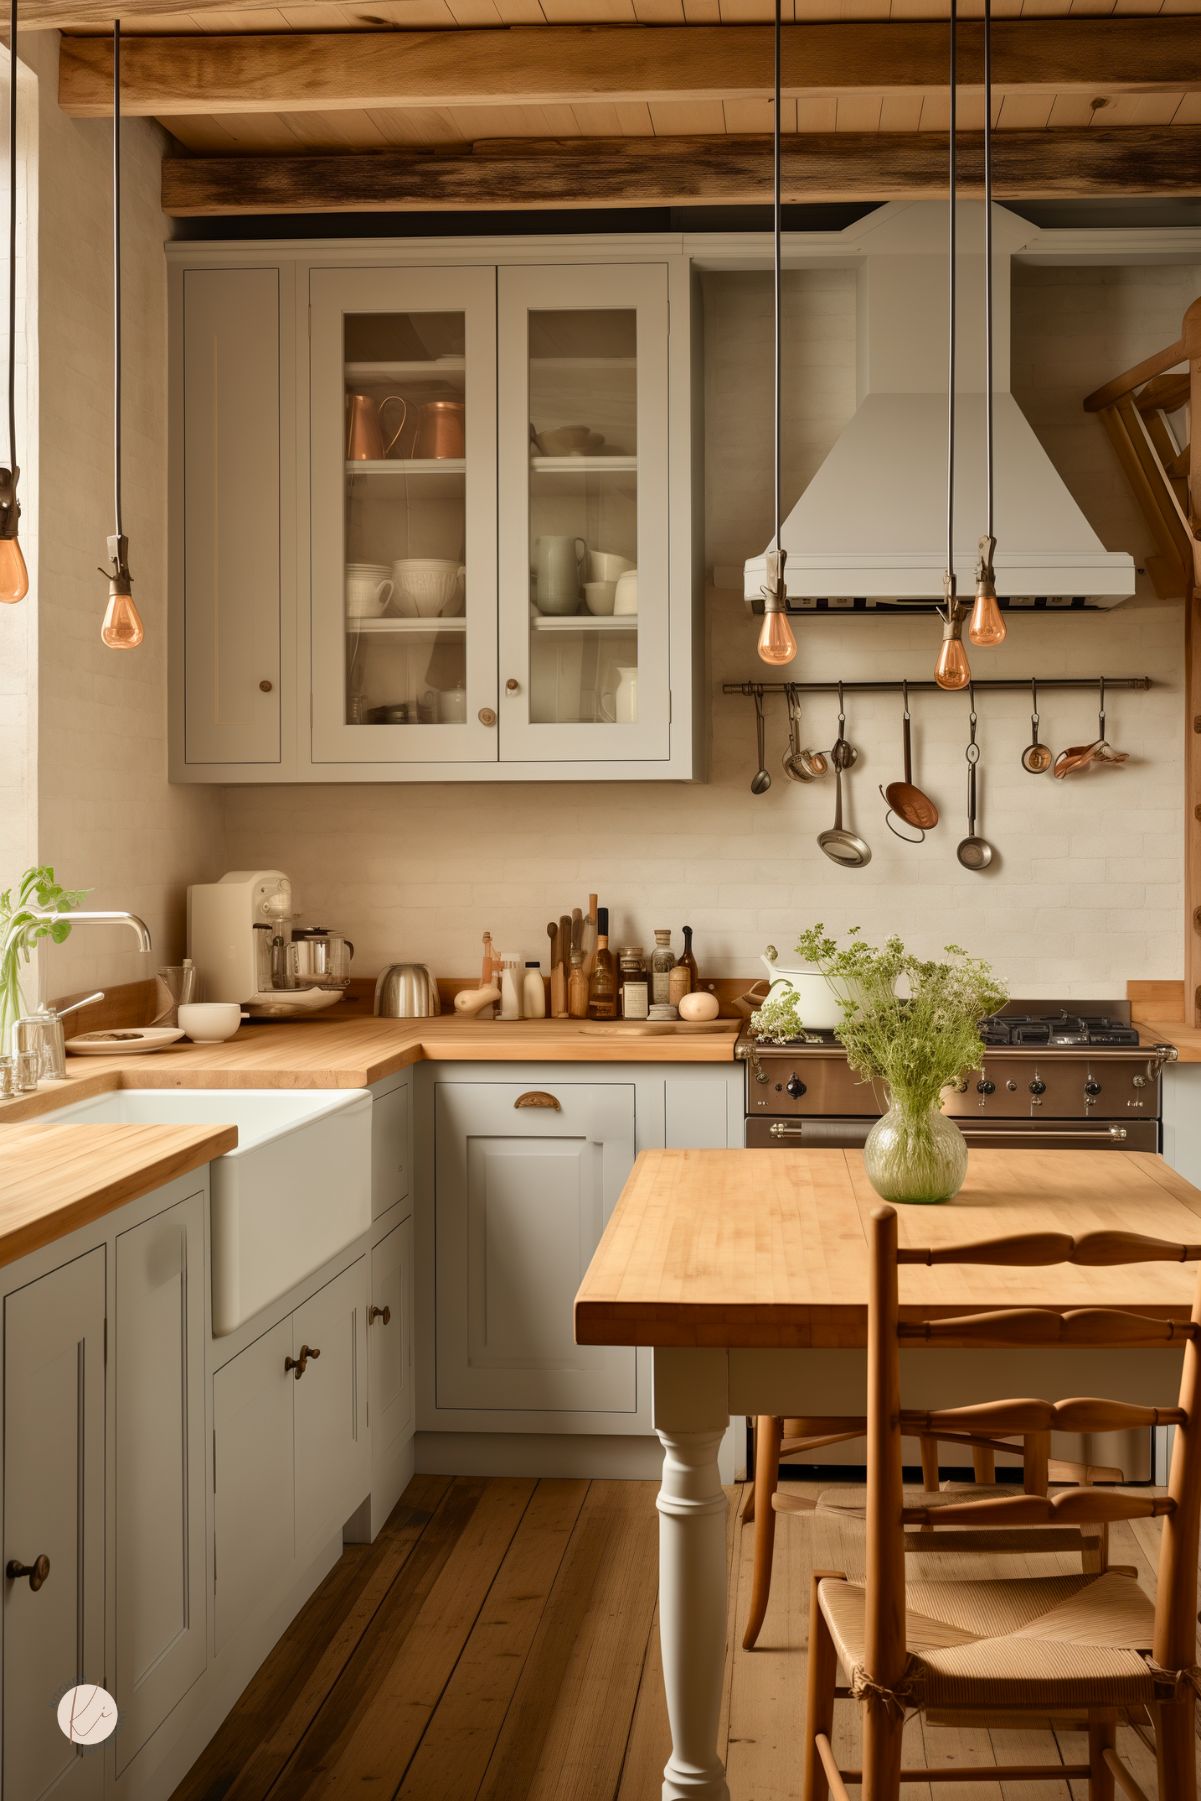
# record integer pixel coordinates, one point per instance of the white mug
(557, 566)
(619, 704)
(606, 565)
(367, 596)
(452, 706)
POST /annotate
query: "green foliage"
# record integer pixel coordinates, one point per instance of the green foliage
(21, 931)
(906, 1020)
(778, 1018)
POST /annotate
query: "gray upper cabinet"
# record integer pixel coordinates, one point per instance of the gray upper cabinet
(405, 488)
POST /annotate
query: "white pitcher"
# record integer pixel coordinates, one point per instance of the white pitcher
(558, 565)
(619, 703)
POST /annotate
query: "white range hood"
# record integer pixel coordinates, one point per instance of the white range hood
(870, 529)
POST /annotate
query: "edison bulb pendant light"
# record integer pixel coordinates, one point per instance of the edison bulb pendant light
(987, 625)
(14, 577)
(777, 643)
(951, 669)
(122, 628)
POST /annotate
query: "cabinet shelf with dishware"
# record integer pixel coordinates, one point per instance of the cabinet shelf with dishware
(469, 471)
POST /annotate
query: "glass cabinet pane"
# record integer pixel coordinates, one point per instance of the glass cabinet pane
(405, 518)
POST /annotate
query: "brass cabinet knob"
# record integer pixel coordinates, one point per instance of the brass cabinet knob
(37, 1571)
(512, 685)
(487, 716)
(374, 1313)
(301, 1363)
(266, 686)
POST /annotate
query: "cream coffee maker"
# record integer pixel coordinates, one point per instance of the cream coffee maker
(240, 939)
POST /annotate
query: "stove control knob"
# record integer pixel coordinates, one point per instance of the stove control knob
(1139, 1081)
(1038, 1086)
(986, 1087)
(795, 1087)
(1092, 1088)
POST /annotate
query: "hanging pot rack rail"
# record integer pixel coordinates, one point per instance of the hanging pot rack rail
(1013, 684)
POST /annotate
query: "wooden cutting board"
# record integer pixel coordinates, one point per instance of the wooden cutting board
(653, 1028)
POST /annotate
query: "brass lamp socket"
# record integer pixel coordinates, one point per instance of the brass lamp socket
(986, 579)
(10, 506)
(119, 579)
(775, 588)
(953, 612)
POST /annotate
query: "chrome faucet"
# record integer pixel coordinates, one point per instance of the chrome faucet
(114, 918)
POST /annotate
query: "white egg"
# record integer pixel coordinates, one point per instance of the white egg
(698, 1006)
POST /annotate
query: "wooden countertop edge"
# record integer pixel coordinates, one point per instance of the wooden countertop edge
(162, 1153)
(1185, 1037)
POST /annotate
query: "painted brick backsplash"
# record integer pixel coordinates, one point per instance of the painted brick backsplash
(1086, 890)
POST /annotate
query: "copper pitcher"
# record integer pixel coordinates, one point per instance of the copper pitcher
(440, 430)
(365, 430)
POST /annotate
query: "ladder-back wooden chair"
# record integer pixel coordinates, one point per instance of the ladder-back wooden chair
(1043, 1643)
(777, 1440)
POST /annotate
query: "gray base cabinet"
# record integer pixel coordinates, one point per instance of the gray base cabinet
(390, 1405)
(527, 1176)
(54, 1431)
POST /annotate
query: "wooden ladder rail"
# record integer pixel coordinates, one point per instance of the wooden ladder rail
(1166, 479)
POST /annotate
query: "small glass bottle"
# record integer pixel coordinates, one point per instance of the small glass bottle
(687, 958)
(577, 987)
(533, 991)
(510, 986)
(602, 984)
(662, 962)
(635, 984)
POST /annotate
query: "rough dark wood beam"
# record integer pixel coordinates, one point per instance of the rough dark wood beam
(598, 172)
(545, 65)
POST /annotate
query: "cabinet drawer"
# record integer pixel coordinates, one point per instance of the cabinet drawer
(391, 1148)
(526, 1179)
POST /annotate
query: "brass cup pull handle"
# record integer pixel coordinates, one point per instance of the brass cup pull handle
(301, 1363)
(37, 1571)
(538, 1097)
(374, 1313)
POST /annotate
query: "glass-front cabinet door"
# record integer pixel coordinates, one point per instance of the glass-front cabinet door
(583, 485)
(402, 509)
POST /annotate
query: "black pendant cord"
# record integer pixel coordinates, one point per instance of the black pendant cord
(988, 294)
(117, 276)
(952, 246)
(777, 299)
(12, 234)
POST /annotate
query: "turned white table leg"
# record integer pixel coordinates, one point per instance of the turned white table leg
(690, 1419)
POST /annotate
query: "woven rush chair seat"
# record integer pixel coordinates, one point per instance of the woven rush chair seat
(1063, 1641)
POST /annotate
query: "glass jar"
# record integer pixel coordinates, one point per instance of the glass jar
(915, 1155)
(512, 975)
(635, 984)
(662, 963)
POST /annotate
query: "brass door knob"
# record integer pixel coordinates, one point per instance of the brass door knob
(266, 687)
(487, 716)
(37, 1571)
(301, 1363)
(512, 685)
(374, 1313)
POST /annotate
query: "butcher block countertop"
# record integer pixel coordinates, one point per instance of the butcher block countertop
(1186, 1038)
(769, 1248)
(54, 1179)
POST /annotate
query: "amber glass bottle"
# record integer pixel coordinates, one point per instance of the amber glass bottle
(602, 985)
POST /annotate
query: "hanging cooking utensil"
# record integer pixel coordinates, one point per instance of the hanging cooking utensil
(842, 754)
(794, 767)
(760, 781)
(905, 800)
(840, 845)
(1080, 756)
(1037, 757)
(973, 851)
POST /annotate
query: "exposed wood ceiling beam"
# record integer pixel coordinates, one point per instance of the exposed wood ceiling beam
(597, 172)
(297, 72)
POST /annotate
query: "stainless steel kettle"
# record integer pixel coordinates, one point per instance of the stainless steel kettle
(407, 991)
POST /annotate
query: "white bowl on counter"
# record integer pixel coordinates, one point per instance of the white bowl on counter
(210, 1022)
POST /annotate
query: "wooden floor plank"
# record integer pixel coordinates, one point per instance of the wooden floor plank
(273, 1711)
(372, 1721)
(566, 1732)
(458, 1743)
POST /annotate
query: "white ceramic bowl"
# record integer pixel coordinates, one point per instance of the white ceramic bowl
(599, 596)
(426, 587)
(625, 600)
(210, 1022)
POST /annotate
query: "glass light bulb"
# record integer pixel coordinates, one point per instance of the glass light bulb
(951, 670)
(14, 577)
(988, 622)
(122, 628)
(776, 641)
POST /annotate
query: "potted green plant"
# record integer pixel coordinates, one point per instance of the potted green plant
(21, 931)
(911, 1023)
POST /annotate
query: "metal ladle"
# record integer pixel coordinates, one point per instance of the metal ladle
(794, 764)
(1037, 757)
(910, 804)
(973, 851)
(840, 845)
(842, 754)
(761, 780)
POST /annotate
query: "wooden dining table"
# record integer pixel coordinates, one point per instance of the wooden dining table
(745, 1271)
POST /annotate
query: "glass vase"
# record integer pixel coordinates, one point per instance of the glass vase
(915, 1155)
